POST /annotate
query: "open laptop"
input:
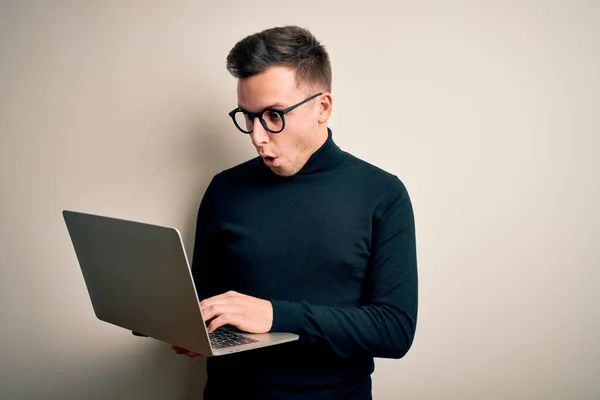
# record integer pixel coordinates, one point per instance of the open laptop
(138, 278)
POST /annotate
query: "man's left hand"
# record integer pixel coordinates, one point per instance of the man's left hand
(247, 313)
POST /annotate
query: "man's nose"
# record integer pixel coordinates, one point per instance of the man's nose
(259, 134)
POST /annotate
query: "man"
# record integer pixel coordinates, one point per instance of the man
(304, 238)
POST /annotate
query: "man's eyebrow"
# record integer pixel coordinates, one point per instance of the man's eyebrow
(277, 106)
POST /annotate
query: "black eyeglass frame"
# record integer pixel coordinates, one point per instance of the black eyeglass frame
(281, 113)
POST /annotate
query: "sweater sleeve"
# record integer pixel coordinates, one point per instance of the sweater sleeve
(385, 325)
(205, 264)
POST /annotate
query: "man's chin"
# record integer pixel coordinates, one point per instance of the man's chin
(281, 171)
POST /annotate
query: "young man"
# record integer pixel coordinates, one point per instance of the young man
(304, 238)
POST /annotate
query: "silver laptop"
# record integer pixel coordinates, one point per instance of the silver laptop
(138, 278)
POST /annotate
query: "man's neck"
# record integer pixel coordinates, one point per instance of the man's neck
(320, 138)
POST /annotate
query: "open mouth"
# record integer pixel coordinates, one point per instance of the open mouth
(270, 161)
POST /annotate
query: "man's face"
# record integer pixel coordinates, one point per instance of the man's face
(286, 152)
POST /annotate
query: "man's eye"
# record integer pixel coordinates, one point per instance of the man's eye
(272, 115)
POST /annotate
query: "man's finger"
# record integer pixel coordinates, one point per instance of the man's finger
(219, 309)
(229, 293)
(179, 350)
(226, 319)
(218, 298)
(186, 352)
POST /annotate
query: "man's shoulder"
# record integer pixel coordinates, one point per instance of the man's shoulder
(232, 180)
(386, 187)
(372, 173)
(240, 172)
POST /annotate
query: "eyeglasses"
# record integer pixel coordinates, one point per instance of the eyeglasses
(271, 119)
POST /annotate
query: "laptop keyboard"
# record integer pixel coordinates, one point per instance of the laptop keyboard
(221, 339)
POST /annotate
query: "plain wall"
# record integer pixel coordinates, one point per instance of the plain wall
(487, 110)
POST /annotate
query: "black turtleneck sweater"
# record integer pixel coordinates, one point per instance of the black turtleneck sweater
(333, 248)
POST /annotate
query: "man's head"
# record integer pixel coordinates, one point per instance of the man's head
(276, 69)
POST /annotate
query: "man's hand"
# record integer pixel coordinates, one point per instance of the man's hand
(185, 352)
(249, 314)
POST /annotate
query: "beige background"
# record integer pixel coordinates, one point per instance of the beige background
(488, 111)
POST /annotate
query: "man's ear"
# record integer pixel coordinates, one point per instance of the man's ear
(325, 107)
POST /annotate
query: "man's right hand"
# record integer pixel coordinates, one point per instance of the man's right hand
(177, 349)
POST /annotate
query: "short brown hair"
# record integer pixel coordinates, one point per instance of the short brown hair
(289, 46)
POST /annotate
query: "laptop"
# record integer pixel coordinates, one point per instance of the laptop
(138, 277)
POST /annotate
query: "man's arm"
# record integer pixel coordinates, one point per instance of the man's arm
(385, 326)
(205, 260)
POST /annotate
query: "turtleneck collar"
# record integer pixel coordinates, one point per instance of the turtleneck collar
(328, 157)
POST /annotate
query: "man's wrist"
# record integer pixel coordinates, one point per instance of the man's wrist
(288, 316)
